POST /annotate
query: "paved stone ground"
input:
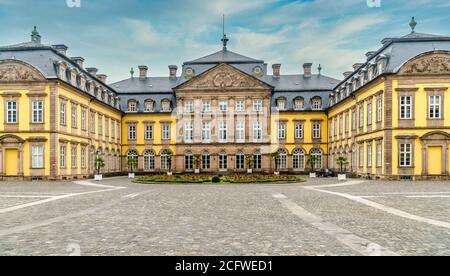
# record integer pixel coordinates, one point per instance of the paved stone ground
(132, 219)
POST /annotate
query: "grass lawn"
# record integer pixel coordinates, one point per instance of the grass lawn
(211, 179)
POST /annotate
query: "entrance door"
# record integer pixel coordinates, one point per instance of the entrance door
(11, 162)
(435, 160)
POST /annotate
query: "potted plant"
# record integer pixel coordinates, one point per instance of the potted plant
(197, 163)
(99, 165)
(276, 157)
(312, 160)
(342, 161)
(249, 163)
(132, 164)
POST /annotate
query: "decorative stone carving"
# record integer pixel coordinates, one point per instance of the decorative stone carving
(17, 71)
(429, 64)
(224, 76)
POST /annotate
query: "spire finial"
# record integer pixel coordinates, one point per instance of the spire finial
(320, 69)
(224, 36)
(413, 25)
(132, 72)
(35, 36)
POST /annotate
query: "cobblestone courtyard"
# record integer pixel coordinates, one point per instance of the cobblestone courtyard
(318, 217)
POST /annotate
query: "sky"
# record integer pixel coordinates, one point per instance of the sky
(116, 35)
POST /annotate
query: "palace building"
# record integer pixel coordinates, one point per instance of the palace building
(225, 113)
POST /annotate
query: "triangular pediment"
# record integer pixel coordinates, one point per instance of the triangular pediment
(224, 77)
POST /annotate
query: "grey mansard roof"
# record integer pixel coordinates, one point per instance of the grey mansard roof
(223, 56)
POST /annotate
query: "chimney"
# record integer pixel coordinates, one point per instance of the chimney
(357, 65)
(348, 73)
(92, 71)
(173, 71)
(102, 77)
(307, 70)
(61, 48)
(78, 60)
(276, 70)
(143, 72)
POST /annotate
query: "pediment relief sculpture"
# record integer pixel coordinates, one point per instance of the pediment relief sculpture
(431, 64)
(17, 71)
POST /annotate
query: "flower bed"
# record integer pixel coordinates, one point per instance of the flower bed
(207, 179)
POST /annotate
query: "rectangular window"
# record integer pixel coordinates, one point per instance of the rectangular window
(240, 162)
(11, 112)
(189, 162)
(405, 107)
(316, 131)
(341, 125)
(379, 109)
(223, 161)
(74, 157)
(223, 106)
(240, 132)
(189, 107)
(435, 107)
(132, 133)
(100, 124)
(299, 133)
(83, 119)
(188, 132)
(379, 155)
(257, 161)
(62, 113)
(37, 157)
(206, 132)
(92, 123)
(165, 132)
(37, 112)
(148, 132)
(206, 106)
(62, 157)
(257, 106)
(369, 114)
(281, 131)
(113, 129)
(107, 127)
(83, 157)
(223, 132)
(257, 132)
(74, 116)
(361, 156)
(347, 122)
(361, 116)
(206, 161)
(240, 106)
(354, 119)
(405, 155)
(369, 155)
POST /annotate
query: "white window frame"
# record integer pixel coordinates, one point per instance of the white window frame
(405, 109)
(257, 106)
(406, 155)
(223, 105)
(37, 112)
(62, 156)
(37, 157)
(11, 112)
(206, 106)
(369, 113)
(188, 132)
(369, 155)
(299, 131)
(222, 132)
(62, 113)
(379, 154)
(240, 132)
(165, 132)
(189, 107)
(240, 105)
(83, 119)
(132, 132)
(206, 132)
(257, 132)
(435, 107)
(316, 129)
(379, 109)
(281, 131)
(148, 134)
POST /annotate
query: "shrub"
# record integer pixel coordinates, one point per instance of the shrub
(215, 179)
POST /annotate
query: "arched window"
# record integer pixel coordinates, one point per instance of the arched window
(317, 153)
(189, 161)
(223, 161)
(131, 154)
(257, 160)
(166, 105)
(149, 106)
(299, 159)
(316, 103)
(299, 103)
(281, 103)
(206, 161)
(132, 106)
(282, 160)
(166, 160)
(149, 160)
(240, 161)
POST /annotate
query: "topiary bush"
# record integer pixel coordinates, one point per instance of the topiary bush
(215, 179)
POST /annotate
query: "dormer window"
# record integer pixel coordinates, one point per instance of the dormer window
(132, 106)
(103, 95)
(166, 105)
(149, 106)
(68, 75)
(299, 104)
(316, 103)
(281, 103)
